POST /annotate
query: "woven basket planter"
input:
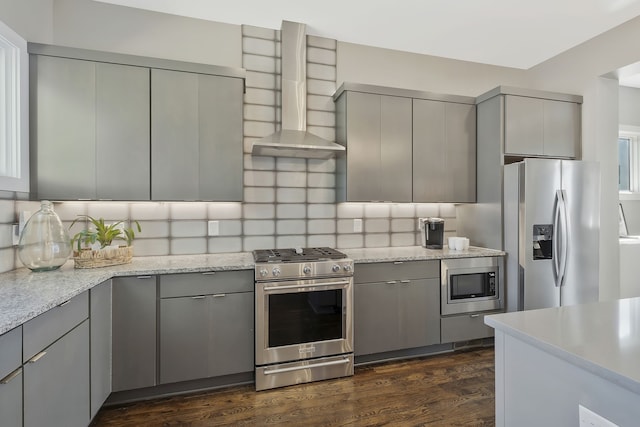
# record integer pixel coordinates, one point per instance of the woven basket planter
(102, 257)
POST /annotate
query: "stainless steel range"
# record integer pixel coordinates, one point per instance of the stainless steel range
(304, 316)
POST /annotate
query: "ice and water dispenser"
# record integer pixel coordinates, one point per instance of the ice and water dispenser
(542, 241)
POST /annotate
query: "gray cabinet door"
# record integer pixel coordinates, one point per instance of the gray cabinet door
(100, 322)
(395, 149)
(233, 334)
(523, 126)
(418, 313)
(375, 323)
(11, 378)
(56, 382)
(562, 124)
(444, 152)
(134, 333)
(206, 336)
(185, 330)
(379, 146)
(196, 137)
(122, 132)
(63, 157)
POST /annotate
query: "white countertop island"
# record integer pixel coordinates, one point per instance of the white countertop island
(550, 361)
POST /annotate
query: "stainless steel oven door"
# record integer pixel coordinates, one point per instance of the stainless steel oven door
(480, 265)
(303, 319)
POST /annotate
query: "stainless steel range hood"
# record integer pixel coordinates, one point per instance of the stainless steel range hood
(294, 140)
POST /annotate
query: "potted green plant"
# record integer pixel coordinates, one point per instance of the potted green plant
(86, 252)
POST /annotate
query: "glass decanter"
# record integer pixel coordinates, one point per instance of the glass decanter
(44, 243)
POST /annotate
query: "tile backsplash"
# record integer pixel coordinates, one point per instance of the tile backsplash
(288, 202)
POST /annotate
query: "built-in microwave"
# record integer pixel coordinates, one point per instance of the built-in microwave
(471, 285)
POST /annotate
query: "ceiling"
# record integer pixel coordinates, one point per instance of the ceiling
(507, 33)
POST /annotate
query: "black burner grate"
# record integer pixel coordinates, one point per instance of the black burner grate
(291, 255)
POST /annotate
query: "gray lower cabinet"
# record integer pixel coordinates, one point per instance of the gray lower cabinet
(377, 132)
(100, 342)
(464, 327)
(133, 333)
(396, 306)
(206, 325)
(11, 378)
(56, 366)
(89, 116)
(444, 152)
(534, 126)
(196, 136)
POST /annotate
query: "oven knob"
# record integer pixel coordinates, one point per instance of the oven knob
(276, 271)
(347, 267)
(264, 272)
(306, 269)
(335, 268)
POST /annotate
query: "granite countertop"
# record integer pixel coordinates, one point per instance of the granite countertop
(415, 253)
(24, 294)
(603, 338)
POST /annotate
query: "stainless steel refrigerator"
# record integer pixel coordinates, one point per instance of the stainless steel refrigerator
(552, 232)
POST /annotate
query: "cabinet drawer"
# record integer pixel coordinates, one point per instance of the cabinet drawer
(40, 332)
(10, 351)
(193, 284)
(463, 328)
(399, 270)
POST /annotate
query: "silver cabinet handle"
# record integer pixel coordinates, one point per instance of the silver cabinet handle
(37, 357)
(199, 297)
(392, 282)
(309, 285)
(405, 281)
(208, 273)
(11, 376)
(64, 303)
(474, 315)
(219, 295)
(299, 368)
(398, 262)
(144, 277)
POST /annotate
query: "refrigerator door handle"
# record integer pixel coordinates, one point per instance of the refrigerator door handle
(556, 239)
(564, 218)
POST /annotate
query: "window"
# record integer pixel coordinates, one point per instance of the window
(628, 161)
(14, 111)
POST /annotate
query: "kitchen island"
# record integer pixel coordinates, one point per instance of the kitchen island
(549, 362)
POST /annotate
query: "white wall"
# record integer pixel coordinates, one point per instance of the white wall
(32, 19)
(629, 106)
(385, 67)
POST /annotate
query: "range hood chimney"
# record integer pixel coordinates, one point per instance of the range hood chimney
(293, 140)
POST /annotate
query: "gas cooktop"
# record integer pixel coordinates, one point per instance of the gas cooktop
(296, 254)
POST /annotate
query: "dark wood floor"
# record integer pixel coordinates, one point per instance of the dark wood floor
(446, 390)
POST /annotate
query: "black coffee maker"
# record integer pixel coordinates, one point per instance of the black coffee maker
(432, 232)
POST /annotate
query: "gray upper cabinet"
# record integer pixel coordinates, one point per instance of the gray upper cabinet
(444, 152)
(405, 145)
(91, 130)
(196, 137)
(535, 126)
(377, 132)
(120, 127)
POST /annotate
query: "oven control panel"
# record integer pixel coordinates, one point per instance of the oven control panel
(301, 270)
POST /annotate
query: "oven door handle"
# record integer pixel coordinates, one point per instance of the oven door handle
(299, 368)
(310, 285)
